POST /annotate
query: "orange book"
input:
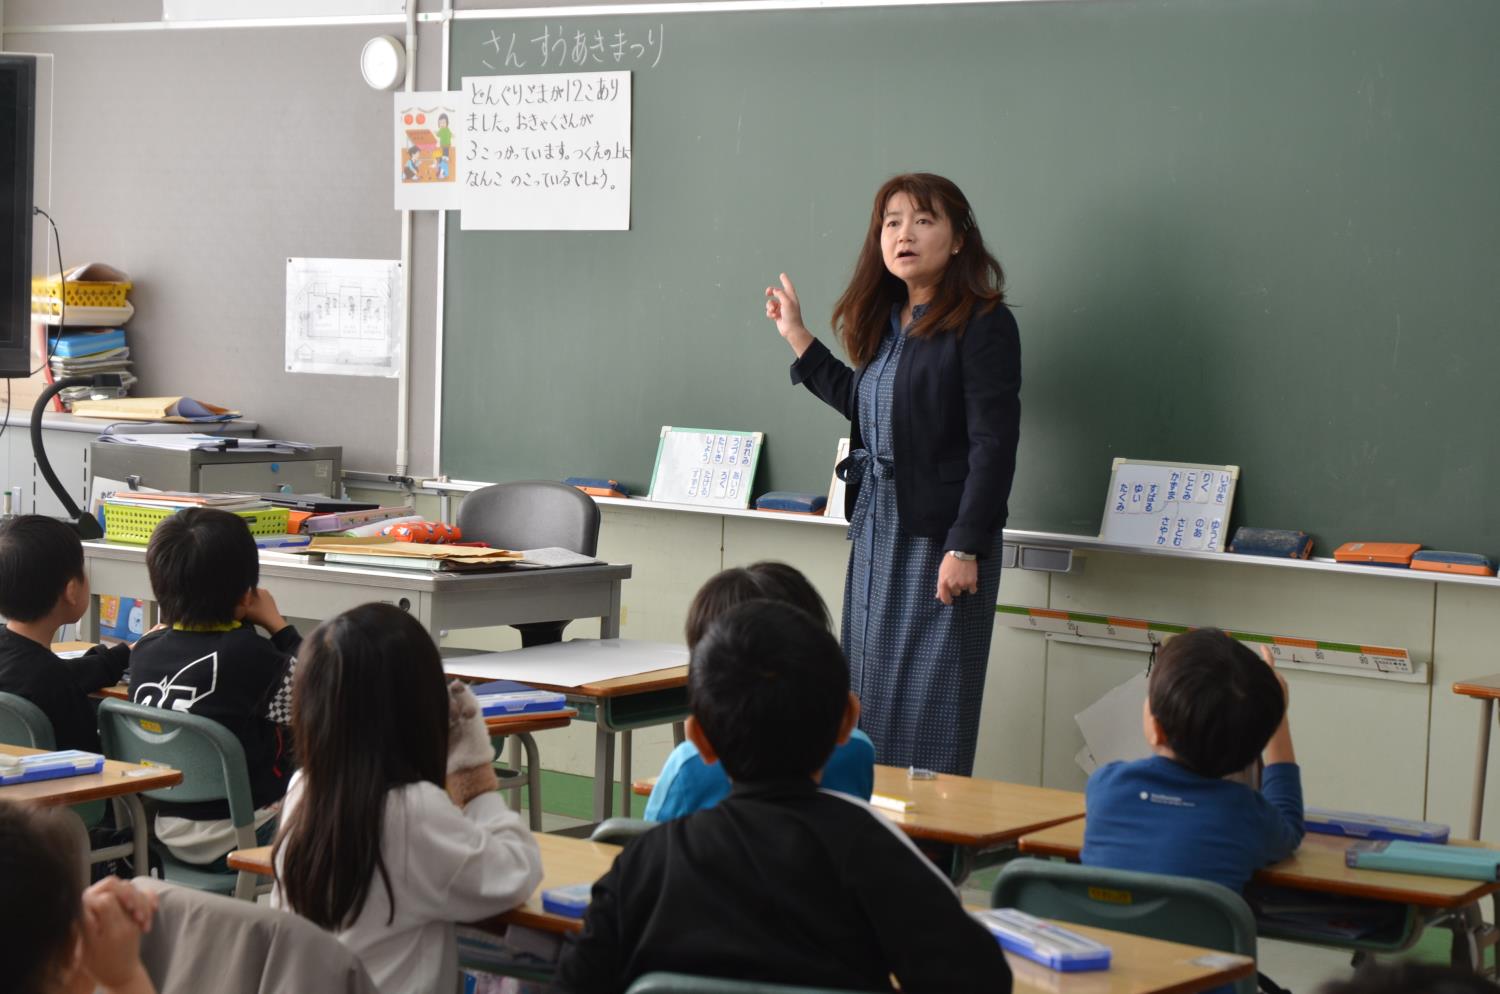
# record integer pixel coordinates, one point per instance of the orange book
(1377, 553)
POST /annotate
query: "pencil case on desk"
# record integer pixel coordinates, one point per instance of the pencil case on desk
(597, 486)
(1040, 941)
(571, 901)
(1401, 856)
(788, 502)
(1363, 826)
(1278, 542)
(1377, 553)
(1466, 563)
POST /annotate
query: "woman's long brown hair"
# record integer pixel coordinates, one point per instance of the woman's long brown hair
(973, 280)
(369, 714)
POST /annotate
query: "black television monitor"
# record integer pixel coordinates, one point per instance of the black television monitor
(17, 141)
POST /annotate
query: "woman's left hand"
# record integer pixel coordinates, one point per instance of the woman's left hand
(955, 577)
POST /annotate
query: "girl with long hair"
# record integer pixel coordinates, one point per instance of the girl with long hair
(392, 830)
(934, 407)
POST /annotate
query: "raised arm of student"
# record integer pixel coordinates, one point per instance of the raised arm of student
(1281, 781)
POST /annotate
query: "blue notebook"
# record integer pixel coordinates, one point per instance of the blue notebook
(500, 697)
(48, 766)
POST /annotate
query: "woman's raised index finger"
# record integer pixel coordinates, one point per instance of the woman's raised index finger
(786, 282)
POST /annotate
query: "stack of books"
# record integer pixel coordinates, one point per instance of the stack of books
(179, 499)
(85, 352)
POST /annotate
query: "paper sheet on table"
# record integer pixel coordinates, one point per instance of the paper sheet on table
(1111, 726)
(570, 664)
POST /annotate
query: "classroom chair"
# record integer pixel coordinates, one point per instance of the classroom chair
(682, 983)
(22, 723)
(620, 830)
(208, 942)
(532, 514)
(213, 768)
(1177, 909)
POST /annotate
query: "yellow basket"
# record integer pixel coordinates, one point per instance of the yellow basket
(132, 525)
(80, 293)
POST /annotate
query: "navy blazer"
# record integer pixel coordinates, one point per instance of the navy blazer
(955, 423)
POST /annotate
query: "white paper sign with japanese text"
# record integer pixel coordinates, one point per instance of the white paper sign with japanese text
(546, 152)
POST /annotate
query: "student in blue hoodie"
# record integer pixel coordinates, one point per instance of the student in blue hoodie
(1212, 707)
(686, 783)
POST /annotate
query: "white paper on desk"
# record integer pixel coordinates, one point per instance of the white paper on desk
(570, 664)
(1111, 726)
(553, 556)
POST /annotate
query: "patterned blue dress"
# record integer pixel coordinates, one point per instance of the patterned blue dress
(917, 664)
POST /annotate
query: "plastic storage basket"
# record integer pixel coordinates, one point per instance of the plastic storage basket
(132, 525)
(45, 294)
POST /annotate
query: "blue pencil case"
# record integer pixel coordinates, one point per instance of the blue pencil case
(1362, 826)
(48, 766)
(791, 503)
(520, 702)
(1278, 542)
(1042, 942)
(571, 901)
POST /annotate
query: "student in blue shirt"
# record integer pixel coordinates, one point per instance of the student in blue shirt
(686, 783)
(1212, 707)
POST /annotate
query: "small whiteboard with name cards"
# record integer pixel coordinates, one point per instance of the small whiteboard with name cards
(1169, 505)
(705, 467)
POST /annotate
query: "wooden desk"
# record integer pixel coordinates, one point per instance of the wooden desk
(1485, 690)
(615, 706)
(122, 780)
(971, 813)
(308, 589)
(1318, 867)
(1141, 966)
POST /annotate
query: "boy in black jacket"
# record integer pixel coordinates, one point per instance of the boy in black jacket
(781, 882)
(211, 662)
(42, 588)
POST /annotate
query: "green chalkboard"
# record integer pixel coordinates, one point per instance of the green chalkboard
(1259, 232)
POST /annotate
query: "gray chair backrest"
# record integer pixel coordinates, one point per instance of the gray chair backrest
(534, 514)
(22, 723)
(208, 942)
(211, 759)
(1176, 909)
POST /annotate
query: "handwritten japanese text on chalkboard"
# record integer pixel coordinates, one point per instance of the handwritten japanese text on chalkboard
(558, 47)
(547, 152)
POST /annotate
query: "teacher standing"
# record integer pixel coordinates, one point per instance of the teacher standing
(934, 408)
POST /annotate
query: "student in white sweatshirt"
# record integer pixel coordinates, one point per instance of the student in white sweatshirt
(392, 830)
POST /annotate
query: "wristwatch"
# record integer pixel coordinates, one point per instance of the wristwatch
(963, 557)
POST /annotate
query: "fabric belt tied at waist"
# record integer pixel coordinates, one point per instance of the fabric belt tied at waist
(863, 469)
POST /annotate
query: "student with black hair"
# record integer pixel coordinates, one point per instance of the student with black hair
(782, 882)
(55, 938)
(1212, 707)
(42, 588)
(687, 783)
(392, 829)
(210, 661)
